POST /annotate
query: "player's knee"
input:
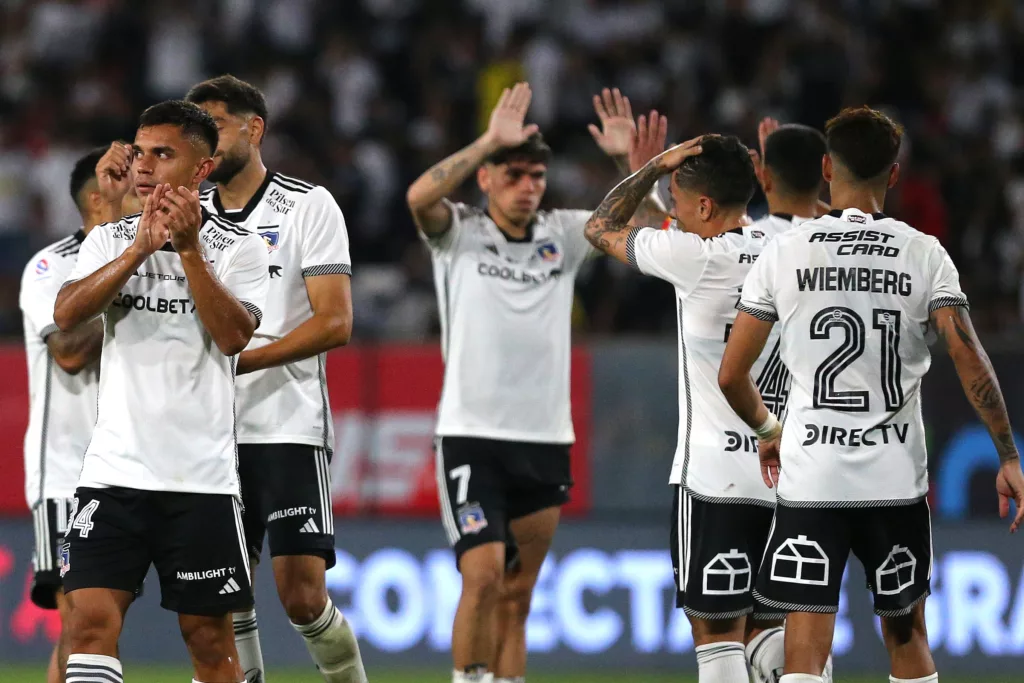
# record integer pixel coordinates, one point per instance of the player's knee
(303, 601)
(210, 641)
(91, 629)
(516, 596)
(481, 580)
(905, 630)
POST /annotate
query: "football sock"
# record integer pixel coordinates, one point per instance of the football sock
(247, 642)
(475, 676)
(721, 663)
(93, 668)
(514, 679)
(766, 654)
(332, 645)
(934, 678)
(800, 678)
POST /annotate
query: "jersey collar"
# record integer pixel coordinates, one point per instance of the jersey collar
(784, 216)
(242, 214)
(80, 235)
(838, 213)
(526, 239)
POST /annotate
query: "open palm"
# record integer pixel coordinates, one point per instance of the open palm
(617, 127)
(506, 128)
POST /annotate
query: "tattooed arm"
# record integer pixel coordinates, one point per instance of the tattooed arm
(425, 196)
(609, 226)
(980, 385)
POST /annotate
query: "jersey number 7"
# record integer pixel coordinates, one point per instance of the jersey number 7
(852, 326)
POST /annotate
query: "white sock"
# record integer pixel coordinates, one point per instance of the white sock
(333, 647)
(474, 677)
(92, 668)
(721, 663)
(247, 642)
(195, 681)
(514, 679)
(766, 654)
(934, 678)
(800, 678)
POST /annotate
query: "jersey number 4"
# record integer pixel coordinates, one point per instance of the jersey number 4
(852, 327)
(83, 520)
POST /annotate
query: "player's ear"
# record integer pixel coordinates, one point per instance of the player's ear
(203, 169)
(826, 168)
(894, 176)
(483, 178)
(705, 208)
(257, 127)
(767, 181)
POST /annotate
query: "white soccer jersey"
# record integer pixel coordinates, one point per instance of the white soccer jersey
(716, 452)
(506, 312)
(305, 235)
(167, 394)
(853, 293)
(62, 407)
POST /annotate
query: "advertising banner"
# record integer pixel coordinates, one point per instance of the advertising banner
(604, 599)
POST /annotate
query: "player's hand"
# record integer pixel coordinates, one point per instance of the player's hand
(113, 172)
(768, 453)
(1010, 486)
(649, 141)
(617, 128)
(767, 126)
(183, 216)
(506, 128)
(673, 157)
(151, 234)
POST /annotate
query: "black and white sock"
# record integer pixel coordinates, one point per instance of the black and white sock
(721, 663)
(332, 645)
(93, 669)
(247, 642)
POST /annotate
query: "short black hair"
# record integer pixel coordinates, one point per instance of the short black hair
(793, 153)
(84, 171)
(193, 121)
(534, 150)
(238, 96)
(723, 171)
(864, 140)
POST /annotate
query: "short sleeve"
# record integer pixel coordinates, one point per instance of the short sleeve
(758, 298)
(246, 275)
(325, 245)
(448, 240)
(96, 252)
(945, 280)
(40, 284)
(671, 255)
(573, 224)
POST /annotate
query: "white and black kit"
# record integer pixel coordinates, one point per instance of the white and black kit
(285, 429)
(159, 483)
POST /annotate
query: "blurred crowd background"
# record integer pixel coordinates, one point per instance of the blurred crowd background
(365, 95)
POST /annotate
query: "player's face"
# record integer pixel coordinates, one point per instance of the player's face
(234, 146)
(164, 155)
(515, 189)
(690, 208)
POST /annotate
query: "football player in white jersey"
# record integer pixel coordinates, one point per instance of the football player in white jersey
(504, 279)
(857, 294)
(63, 378)
(285, 430)
(788, 168)
(721, 513)
(179, 293)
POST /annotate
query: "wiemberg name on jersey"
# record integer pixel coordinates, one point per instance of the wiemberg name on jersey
(839, 279)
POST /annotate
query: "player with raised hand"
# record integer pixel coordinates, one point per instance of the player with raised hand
(179, 294)
(859, 296)
(721, 513)
(504, 279)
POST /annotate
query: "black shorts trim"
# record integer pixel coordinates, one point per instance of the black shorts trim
(286, 496)
(484, 484)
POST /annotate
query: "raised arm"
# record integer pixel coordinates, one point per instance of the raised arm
(953, 324)
(609, 226)
(228, 321)
(425, 196)
(84, 299)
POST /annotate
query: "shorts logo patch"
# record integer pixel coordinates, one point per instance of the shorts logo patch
(65, 559)
(309, 527)
(727, 574)
(896, 574)
(230, 587)
(799, 560)
(471, 518)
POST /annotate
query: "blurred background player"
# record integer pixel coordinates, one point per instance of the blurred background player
(64, 381)
(504, 279)
(180, 293)
(285, 429)
(788, 169)
(857, 293)
(722, 512)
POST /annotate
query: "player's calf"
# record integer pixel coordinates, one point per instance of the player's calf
(301, 586)
(906, 639)
(211, 644)
(473, 642)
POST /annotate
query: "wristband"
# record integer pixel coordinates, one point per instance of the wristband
(770, 429)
